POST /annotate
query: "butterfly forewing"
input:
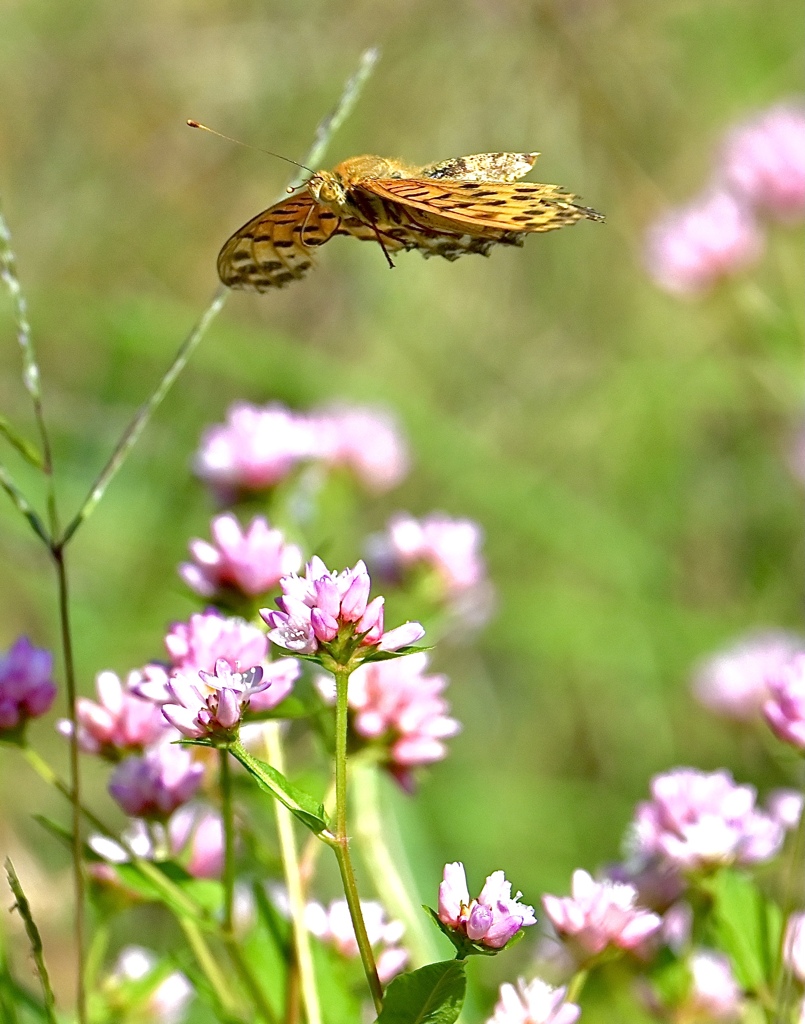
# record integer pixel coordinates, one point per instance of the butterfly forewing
(481, 167)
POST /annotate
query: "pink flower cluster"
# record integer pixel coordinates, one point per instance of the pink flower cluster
(210, 705)
(396, 703)
(785, 708)
(258, 446)
(241, 562)
(533, 1003)
(794, 945)
(762, 170)
(492, 919)
(154, 785)
(333, 925)
(450, 547)
(697, 821)
(166, 1002)
(714, 992)
(121, 722)
(26, 688)
(599, 916)
(323, 607)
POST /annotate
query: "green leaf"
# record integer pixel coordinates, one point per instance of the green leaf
(403, 651)
(431, 995)
(746, 926)
(308, 810)
(23, 907)
(26, 449)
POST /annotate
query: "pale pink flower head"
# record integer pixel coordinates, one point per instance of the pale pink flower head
(533, 1003)
(332, 610)
(210, 705)
(26, 687)
(333, 925)
(697, 821)
(196, 836)
(785, 708)
(155, 784)
(450, 547)
(735, 682)
(600, 916)
(240, 562)
(491, 920)
(692, 248)
(364, 440)
(254, 449)
(396, 705)
(121, 722)
(714, 992)
(164, 1003)
(794, 945)
(764, 161)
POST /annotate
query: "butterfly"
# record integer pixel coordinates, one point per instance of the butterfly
(467, 204)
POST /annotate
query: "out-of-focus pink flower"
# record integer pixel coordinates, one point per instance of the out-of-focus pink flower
(395, 703)
(691, 248)
(121, 722)
(333, 925)
(333, 609)
(764, 161)
(600, 915)
(714, 991)
(699, 820)
(211, 705)
(493, 918)
(451, 547)
(735, 683)
(196, 834)
(533, 1003)
(26, 688)
(249, 562)
(785, 708)
(167, 1001)
(154, 785)
(794, 945)
(366, 441)
(785, 806)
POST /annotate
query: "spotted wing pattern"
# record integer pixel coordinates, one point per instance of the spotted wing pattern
(277, 245)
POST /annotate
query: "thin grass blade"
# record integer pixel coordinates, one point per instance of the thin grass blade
(23, 908)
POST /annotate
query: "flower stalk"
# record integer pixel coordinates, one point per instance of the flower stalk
(227, 813)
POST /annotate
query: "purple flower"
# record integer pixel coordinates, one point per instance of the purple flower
(211, 705)
(714, 993)
(764, 161)
(121, 722)
(697, 821)
(333, 925)
(249, 562)
(600, 916)
(493, 918)
(785, 708)
(154, 785)
(333, 610)
(26, 688)
(533, 1003)
(690, 249)
(735, 682)
(196, 834)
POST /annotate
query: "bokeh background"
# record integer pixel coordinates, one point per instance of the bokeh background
(631, 457)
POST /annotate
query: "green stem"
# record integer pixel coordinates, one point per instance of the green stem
(341, 844)
(272, 740)
(576, 985)
(229, 839)
(247, 977)
(209, 965)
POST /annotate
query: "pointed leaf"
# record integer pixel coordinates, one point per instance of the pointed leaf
(23, 907)
(431, 995)
(308, 810)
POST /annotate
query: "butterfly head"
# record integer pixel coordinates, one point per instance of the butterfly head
(329, 190)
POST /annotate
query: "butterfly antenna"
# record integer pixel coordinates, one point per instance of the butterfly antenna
(268, 152)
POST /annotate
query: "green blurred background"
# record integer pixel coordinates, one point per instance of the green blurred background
(627, 455)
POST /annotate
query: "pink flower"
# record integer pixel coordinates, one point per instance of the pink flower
(794, 945)
(249, 562)
(448, 546)
(333, 609)
(698, 820)
(364, 440)
(600, 915)
(26, 688)
(122, 722)
(764, 161)
(166, 1002)
(395, 703)
(493, 918)
(211, 705)
(333, 925)
(196, 834)
(692, 248)
(154, 785)
(785, 708)
(714, 990)
(735, 683)
(533, 1003)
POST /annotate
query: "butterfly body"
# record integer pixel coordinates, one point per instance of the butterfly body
(466, 204)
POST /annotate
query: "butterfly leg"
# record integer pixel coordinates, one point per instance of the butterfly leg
(369, 216)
